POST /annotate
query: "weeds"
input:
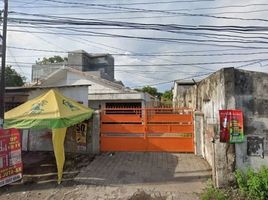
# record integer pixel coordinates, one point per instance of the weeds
(252, 184)
(212, 193)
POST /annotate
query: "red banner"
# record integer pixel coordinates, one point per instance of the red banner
(10, 156)
(231, 126)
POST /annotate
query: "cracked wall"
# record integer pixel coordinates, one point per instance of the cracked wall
(231, 88)
(251, 95)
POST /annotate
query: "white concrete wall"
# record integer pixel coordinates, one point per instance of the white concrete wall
(75, 79)
(65, 77)
(77, 93)
(40, 140)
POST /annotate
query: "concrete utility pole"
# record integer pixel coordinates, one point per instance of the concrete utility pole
(3, 55)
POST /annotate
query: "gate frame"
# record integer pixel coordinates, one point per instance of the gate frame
(143, 129)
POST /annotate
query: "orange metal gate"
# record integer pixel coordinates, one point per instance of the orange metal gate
(149, 129)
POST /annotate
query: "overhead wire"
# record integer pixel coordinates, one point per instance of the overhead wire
(161, 27)
(157, 11)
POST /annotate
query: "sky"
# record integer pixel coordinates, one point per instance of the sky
(153, 42)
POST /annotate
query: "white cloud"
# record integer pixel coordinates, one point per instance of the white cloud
(129, 46)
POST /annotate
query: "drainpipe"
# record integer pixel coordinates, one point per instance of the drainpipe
(196, 96)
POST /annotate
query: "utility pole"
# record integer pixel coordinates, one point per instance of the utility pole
(3, 55)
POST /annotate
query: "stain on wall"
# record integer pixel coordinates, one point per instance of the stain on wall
(252, 98)
(255, 146)
(231, 88)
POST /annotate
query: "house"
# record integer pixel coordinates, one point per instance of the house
(100, 65)
(102, 93)
(228, 88)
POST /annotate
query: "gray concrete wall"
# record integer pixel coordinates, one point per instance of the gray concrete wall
(40, 72)
(181, 88)
(80, 60)
(251, 96)
(231, 88)
(209, 96)
(103, 63)
(199, 133)
(95, 148)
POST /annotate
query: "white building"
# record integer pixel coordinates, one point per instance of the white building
(102, 93)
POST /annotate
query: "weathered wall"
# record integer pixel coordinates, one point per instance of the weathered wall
(40, 72)
(251, 95)
(231, 88)
(209, 96)
(83, 61)
(80, 60)
(179, 92)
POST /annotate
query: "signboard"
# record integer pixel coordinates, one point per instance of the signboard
(10, 156)
(231, 126)
(81, 136)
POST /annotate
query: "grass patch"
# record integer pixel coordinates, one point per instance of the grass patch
(250, 185)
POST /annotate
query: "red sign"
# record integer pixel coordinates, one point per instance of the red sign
(231, 126)
(10, 156)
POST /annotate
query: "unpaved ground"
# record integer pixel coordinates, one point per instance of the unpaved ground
(123, 176)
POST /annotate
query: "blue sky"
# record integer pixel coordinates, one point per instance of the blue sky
(195, 53)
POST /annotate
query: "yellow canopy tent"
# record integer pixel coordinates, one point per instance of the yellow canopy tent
(49, 110)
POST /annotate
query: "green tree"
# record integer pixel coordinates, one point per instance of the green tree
(13, 79)
(167, 95)
(151, 90)
(50, 60)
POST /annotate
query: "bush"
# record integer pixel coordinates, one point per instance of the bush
(212, 193)
(252, 184)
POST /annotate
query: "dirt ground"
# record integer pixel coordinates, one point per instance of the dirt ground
(111, 176)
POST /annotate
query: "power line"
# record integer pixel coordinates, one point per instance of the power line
(195, 76)
(137, 3)
(200, 34)
(56, 20)
(33, 49)
(216, 43)
(165, 53)
(190, 51)
(178, 64)
(158, 11)
(168, 10)
(163, 16)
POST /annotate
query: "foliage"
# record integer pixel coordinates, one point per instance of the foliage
(253, 184)
(212, 193)
(51, 60)
(167, 95)
(151, 90)
(13, 79)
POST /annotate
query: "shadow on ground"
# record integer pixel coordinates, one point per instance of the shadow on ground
(141, 168)
(40, 171)
(110, 169)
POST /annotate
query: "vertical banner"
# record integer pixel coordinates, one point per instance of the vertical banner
(10, 156)
(231, 126)
(81, 136)
(224, 125)
(236, 127)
